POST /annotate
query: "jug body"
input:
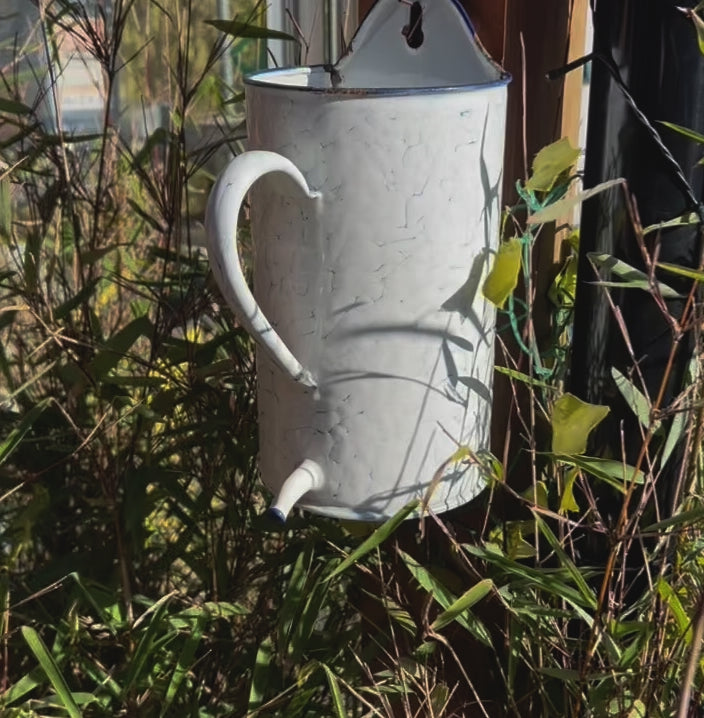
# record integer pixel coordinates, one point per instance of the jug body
(376, 288)
(375, 212)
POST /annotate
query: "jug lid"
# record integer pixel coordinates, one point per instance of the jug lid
(428, 45)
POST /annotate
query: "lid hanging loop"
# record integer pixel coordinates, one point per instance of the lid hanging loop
(413, 32)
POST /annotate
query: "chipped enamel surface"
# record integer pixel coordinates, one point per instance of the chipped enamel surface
(373, 226)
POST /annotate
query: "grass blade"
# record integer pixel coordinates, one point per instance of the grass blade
(463, 603)
(376, 539)
(335, 692)
(185, 661)
(49, 666)
(261, 675)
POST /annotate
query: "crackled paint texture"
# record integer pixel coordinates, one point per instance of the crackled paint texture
(372, 280)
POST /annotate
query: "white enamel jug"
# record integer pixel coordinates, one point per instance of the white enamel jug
(374, 213)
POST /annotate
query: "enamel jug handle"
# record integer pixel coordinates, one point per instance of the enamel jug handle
(221, 232)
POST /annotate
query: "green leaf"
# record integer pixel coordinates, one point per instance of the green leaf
(159, 138)
(294, 595)
(185, 661)
(63, 310)
(572, 421)
(633, 278)
(672, 600)
(551, 162)
(261, 675)
(537, 494)
(524, 378)
(376, 539)
(685, 220)
(50, 667)
(566, 562)
(21, 687)
(698, 25)
(637, 710)
(235, 28)
(636, 400)
(674, 435)
(15, 437)
(5, 210)
(503, 277)
(119, 343)
(444, 597)
(686, 519)
(695, 274)
(143, 656)
(517, 547)
(686, 131)
(540, 578)
(462, 604)
(567, 500)
(563, 290)
(611, 472)
(13, 107)
(335, 692)
(558, 210)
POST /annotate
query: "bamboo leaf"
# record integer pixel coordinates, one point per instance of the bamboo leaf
(294, 595)
(551, 162)
(462, 604)
(686, 131)
(119, 344)
(13, 107)
(503, 277)
(685, 519)
(5, 209)
(335, 692)
(572, 421)
(444, 597)
(376, 539)
(674, 435)
(633, 278)
(672, 600)
(695, 274)
(235, 28)
(636, 400)
(139, 661)
(612, 472)
(524, 378)
(566, 562)
(14, 439)
(698, 25)
(567, 500)
(261, 675)
(557, 210)
(185, 661)
(50, 667)
(684, 220)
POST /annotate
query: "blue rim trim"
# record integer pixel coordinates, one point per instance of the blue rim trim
(267, 78)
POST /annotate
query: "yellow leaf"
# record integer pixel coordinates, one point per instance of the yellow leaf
(563, 290)
(462, 453)
(537, 495)
(572, 421)
(550, 163)
(516, 546)
(503, 277)
(567, 501)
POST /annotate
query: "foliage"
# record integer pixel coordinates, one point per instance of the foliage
(139, 575)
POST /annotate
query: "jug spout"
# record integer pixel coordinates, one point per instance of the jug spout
(307, 477)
